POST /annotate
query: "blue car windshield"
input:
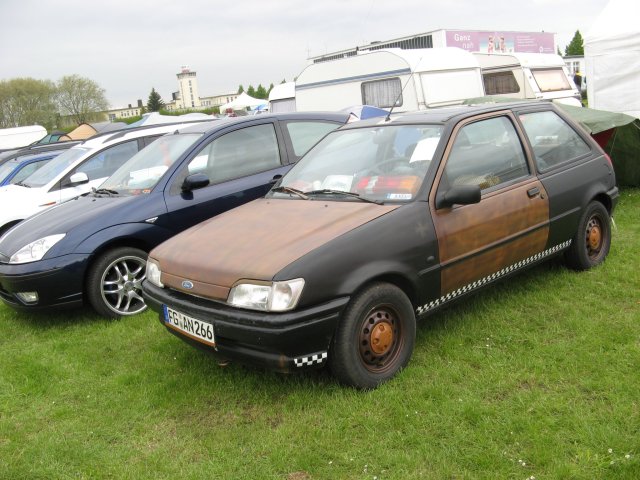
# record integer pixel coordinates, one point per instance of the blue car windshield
(143, 171)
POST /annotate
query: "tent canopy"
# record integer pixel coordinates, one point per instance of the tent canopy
(243, 101)
(612, 58)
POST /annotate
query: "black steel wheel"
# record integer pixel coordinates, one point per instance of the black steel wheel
(114, 282)
(375, 337)
(592, 241)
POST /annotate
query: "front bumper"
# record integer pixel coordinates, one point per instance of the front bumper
(281, 341)
(58, 282)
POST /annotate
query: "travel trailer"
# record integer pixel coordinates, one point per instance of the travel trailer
(18, 137)
(528, 75)
(282, 98)
(404, 79)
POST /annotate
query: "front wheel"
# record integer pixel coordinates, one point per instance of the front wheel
(592, 241)
(114, 282)
(374, 339)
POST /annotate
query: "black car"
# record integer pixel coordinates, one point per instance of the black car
(380, 224)
(94, 247)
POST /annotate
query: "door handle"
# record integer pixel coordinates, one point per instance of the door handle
(532, 192)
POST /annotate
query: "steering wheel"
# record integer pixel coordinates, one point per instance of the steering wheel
(388, 165)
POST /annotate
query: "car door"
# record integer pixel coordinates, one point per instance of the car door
(509, 226)
(241, 165)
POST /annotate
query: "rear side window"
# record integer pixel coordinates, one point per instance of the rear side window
(486, 153)
(553, 141)
(497, 83)
(305, 135)
(382, 93)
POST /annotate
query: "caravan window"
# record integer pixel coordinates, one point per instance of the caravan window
(551, 80)
(382, 93)
(497, 83)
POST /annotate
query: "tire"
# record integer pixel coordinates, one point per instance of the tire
(114, 282)
(374, 339)
(592, 241)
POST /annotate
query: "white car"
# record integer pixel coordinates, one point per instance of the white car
(74, 172)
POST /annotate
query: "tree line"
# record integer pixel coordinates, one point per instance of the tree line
(27, 101)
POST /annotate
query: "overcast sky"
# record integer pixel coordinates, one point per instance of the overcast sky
(128, 47)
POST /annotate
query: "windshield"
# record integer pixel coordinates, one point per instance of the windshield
(55, 167)
(381, 163)
(143, 171)
(7, 168)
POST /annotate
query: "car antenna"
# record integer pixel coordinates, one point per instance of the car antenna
(388, 117)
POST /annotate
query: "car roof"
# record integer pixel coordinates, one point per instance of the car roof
(443, 114)
(209, 126)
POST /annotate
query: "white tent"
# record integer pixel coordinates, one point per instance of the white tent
(612, 58)
(243, 101)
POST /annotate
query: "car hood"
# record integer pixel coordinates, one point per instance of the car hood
(255, 241)
(82, 215)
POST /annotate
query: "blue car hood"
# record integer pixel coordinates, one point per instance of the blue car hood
(78, 218)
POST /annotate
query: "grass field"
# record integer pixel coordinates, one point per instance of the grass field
(538, 377)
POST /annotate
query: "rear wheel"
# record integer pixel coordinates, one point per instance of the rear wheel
(114, 283)
(592, 241)
(375, 338)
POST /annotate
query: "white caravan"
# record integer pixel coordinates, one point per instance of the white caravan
(282, 98)
(404, 79)
(528, 75)
(20, 136)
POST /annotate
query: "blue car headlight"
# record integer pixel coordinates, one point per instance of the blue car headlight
(34, 251)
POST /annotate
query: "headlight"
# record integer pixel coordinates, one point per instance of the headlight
(154, 273)
(36, 250)
(273, 297)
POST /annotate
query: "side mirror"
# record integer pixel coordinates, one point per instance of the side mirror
(460, 195)
(79, 178)
(275, 179)
(195, 181)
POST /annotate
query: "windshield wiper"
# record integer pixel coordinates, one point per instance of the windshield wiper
(328, 191)
(104, 191)
(290, 190)
(22, 184)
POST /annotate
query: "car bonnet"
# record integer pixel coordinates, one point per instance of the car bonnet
(255, 241)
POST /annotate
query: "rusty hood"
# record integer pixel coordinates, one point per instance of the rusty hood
(255, 241)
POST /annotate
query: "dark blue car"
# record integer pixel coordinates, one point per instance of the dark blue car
(94, 248)
(17, 169)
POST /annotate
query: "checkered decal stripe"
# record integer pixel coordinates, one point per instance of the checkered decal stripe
(315, 359)
(494, 276)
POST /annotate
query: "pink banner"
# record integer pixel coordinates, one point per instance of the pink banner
(501, 42)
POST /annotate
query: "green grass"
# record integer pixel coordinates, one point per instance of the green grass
(536, 377)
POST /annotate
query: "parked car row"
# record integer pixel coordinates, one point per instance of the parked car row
(331, 261)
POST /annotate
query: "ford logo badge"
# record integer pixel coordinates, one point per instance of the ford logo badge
(187, 284)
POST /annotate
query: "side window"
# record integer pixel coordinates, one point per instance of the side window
(382, 93)
(304, 135)
(108, 161)
(28, 170)
(486, 153)
(234, 155)
(497, 83)
(553, 141)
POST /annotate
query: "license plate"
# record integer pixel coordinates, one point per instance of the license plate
(196, 329)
